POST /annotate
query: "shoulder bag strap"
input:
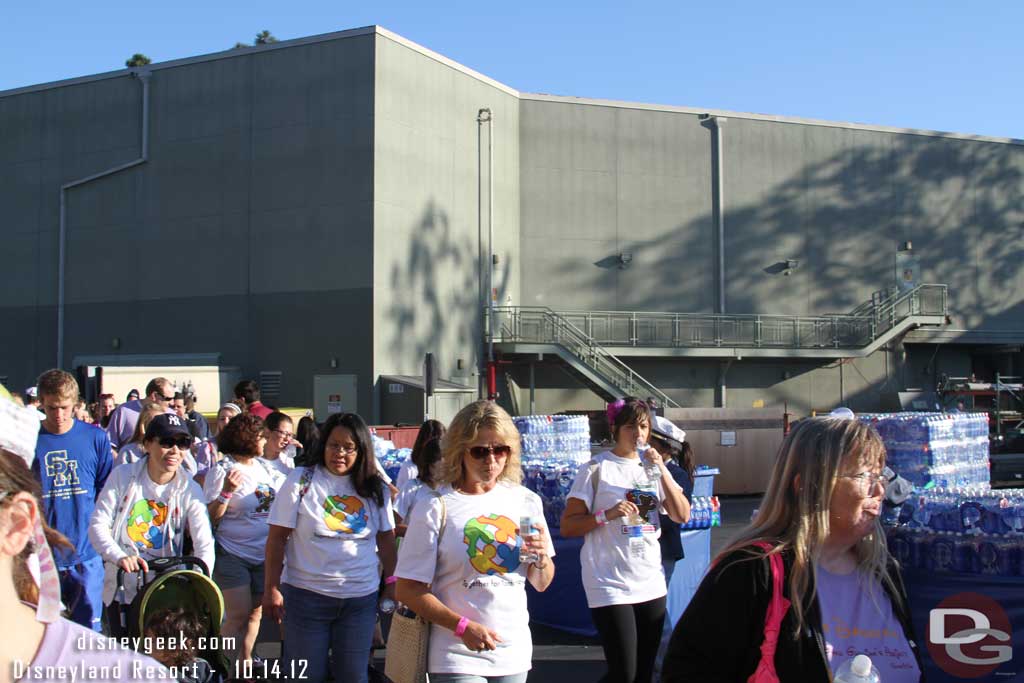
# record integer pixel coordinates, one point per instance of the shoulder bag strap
(778, 605)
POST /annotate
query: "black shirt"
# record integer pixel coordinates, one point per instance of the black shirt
(671, 545)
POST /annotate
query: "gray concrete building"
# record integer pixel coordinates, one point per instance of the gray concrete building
(321, 207)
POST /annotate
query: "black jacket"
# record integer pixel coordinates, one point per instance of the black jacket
(718, 638)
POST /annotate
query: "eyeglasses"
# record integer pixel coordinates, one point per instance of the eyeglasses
(182, 441)
(341, 448)
(166, 399)
(866, 481)
(286, 435)
(481, 452)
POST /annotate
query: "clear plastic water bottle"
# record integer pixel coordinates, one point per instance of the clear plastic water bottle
(651, 470)
(857, 670)
(526, 530)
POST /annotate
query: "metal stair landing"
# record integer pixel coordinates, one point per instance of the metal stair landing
(591, 342)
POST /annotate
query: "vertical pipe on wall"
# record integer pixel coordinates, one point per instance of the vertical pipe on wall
(62, 239)
(718, 199)
(483, 115)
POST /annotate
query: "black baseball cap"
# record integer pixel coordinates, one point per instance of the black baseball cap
(166, 425)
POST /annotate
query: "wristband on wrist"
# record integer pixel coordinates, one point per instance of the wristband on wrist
(224, 496)
(600, 518)
(390, 580)
(461, 627)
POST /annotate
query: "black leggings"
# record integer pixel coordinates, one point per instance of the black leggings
(630, 635)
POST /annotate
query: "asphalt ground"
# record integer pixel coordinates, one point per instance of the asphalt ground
(560, 657)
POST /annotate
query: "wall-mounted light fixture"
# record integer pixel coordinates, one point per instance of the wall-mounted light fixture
(115, 343)
(334, 362)
(625, 258)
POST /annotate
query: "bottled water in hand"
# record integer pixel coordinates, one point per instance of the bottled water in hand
(857, 670)
(526, 530)
(651, 470)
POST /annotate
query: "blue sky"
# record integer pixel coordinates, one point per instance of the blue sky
(939, 65)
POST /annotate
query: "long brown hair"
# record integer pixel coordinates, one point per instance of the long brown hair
(794, 513)
(16, 477)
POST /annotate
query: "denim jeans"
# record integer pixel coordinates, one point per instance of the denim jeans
(314, 623)
(473, 678)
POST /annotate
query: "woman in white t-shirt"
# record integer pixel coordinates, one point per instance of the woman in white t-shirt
(339, 509)
(240, 489)
(428, 459)
(410, 469)
(621, 558)
(460, 566)
(278, 430)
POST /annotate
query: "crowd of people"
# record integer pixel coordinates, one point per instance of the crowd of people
(299, 523)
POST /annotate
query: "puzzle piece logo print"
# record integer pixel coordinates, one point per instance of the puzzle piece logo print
(492, 544)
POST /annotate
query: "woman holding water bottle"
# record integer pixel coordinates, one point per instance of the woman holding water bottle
(614, 504)
(465, 560)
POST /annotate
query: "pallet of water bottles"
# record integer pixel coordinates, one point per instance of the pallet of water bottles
(935, 449)
(553, 448)
(972, 530)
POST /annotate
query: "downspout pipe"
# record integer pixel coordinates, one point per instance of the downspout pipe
(718, 199)
(144, 77)
(486, 116)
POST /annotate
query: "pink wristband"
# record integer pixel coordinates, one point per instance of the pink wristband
(461, 628)
(600, 518)
(390, 580)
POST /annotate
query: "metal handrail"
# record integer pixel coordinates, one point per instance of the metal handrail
(553, 328)
(658, 329)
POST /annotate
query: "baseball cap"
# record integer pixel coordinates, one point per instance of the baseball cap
(166, 425)
(664, 429)
(133, 395)
(32, 392)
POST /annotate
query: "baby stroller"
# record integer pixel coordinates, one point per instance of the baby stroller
(182, 582)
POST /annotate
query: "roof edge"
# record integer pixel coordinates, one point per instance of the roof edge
(184, 61)
(539, 97)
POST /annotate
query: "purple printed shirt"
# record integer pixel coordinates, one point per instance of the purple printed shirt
(857, 618)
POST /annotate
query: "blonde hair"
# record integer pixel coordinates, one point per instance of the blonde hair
(150, 409)
(794, 513)
(57, 383)
(462, 432)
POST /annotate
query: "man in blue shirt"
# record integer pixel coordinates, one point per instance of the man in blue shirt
(73, 460)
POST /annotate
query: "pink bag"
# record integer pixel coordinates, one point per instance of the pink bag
(777, 608)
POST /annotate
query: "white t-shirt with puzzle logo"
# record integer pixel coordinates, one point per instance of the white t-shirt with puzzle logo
(242, 531)
(332, 549)
(477, 572)
(612, 574)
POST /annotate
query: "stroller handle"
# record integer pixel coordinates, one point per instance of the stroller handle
(162, 564)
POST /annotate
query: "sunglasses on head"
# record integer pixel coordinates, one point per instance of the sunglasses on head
(481, 452)
(182, 441)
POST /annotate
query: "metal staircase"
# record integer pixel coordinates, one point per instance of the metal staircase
(591, 342)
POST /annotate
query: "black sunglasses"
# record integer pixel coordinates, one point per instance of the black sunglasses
(481, 452)
(182, 441)
(166, 398)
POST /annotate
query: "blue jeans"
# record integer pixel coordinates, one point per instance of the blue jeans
(81, 590)
(314, 623)
(473, 678)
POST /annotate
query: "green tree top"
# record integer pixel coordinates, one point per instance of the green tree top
(138, 59)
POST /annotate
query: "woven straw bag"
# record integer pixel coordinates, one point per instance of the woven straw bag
(408, 642)
(409, 638)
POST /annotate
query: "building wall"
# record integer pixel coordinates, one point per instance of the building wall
(248, 232)
(598, 180)
(427, 295)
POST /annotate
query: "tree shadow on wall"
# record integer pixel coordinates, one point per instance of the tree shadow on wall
(436, 294)
(960, 202)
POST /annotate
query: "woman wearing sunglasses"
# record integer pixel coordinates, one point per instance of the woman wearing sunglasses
(322, 581)
(146, 508)
(463, 565)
